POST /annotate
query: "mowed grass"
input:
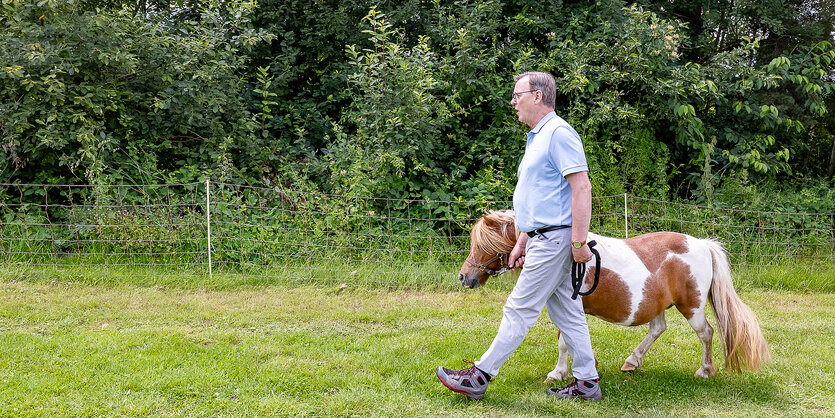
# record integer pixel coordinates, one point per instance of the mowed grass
(791, 274)
(81, 349)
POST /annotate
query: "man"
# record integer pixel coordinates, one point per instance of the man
(552, 201)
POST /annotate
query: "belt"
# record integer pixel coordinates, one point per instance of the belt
(545, 229)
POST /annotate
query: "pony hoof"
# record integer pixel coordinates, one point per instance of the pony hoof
(705, 373)
(555, 377)
(628, 367)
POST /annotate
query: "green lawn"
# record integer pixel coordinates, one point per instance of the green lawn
(126, 350)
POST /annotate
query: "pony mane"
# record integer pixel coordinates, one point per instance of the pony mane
(495, 232)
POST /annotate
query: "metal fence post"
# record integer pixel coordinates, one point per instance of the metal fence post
(208, 229)
(625, 218)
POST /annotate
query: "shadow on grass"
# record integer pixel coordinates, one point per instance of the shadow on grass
(676, 384)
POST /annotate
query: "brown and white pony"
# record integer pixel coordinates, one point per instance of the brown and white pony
(640, 277)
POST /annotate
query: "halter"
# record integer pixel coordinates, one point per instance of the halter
(484, 269)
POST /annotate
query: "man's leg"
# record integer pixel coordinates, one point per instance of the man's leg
(569, 317)
(543, 257)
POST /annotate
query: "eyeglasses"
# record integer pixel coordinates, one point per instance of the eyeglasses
(516, 95)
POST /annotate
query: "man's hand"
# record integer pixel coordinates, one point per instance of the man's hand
(582, 254)
(517, 255)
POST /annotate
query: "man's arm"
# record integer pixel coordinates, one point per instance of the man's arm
(580, 213)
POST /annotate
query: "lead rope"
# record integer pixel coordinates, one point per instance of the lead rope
(578, 272)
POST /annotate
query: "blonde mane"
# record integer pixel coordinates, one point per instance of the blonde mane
(494, 233)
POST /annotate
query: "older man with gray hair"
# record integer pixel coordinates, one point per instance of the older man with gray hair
(552, 202)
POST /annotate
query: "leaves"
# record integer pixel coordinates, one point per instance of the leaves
(406, 98)
(91, 84)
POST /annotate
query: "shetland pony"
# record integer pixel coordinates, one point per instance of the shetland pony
(640, 278)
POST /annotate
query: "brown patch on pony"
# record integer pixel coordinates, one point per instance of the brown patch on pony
(672, 284)
(650, 248)
(611, 301)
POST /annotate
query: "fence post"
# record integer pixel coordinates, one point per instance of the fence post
(625, 218)
(208, 229)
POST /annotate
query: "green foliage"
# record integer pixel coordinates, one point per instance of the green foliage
(103, 97)
(397, 149)
(737, 191)
(622, 90)
(627, 75)
(411, 98)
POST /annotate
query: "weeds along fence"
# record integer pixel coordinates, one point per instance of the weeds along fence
(234, 233)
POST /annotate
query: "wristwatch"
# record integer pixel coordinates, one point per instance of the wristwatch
(578, 244)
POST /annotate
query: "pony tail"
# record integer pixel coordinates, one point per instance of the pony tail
(742, 340)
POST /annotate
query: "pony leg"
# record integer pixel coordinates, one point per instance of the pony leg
(636, 359)
(561, 371)
(705, 332)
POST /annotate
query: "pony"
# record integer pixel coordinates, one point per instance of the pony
(640, 278)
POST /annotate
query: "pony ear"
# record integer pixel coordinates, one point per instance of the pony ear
(489, 221)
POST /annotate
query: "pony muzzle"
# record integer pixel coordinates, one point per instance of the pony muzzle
(468, 281)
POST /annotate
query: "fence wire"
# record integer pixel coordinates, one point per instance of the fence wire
(242, 233)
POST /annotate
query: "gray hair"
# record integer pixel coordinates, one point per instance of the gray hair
(543, 82)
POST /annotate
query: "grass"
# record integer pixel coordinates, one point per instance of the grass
(793, 274)
(369, 275)
(118, 348)
(790, 274)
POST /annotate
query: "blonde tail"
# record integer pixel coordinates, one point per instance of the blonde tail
(739, 329)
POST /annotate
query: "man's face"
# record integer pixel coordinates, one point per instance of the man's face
(524, 100)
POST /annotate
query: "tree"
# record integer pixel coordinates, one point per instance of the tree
(92, 96)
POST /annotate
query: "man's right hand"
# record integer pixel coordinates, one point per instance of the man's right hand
(517, 255)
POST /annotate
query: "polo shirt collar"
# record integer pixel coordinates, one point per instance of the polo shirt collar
(543, 121)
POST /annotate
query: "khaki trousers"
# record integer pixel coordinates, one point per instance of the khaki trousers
(545, 281)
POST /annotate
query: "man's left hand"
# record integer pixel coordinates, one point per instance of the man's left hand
(582, 254)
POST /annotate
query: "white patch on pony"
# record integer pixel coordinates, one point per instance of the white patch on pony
(702, 272)
(621, 259)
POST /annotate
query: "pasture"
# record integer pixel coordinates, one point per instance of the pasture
(75, 346)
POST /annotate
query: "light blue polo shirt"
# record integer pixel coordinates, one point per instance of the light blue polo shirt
(543, 196)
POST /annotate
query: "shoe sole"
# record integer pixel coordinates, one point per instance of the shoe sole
(463, 392)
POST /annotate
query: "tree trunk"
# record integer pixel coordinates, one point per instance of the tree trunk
(831, 169)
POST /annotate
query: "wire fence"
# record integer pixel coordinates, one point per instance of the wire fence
(241, 233)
